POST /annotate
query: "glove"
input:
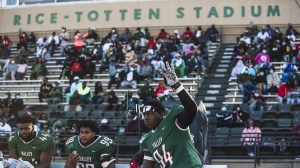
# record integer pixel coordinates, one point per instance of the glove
(168, 73)
(134, 164)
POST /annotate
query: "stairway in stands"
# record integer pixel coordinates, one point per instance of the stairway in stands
(214, 87)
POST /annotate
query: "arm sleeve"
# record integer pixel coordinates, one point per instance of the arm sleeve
(186, 117)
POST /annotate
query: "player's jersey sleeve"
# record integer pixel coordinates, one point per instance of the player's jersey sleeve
(69, 146)
(143, 143)
(108, 146)
(12, 141)
(46, 141)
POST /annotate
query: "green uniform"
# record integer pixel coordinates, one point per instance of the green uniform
(31, 151)
(169, 145)
(89, 156)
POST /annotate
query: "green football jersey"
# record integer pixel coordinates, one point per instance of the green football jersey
(31, 151)
(89, 156)
(171, 146)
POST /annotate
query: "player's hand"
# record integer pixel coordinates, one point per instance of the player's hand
(72, 161)
(168, 73)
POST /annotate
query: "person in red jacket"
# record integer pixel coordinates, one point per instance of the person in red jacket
(284, 90)
(160, 89)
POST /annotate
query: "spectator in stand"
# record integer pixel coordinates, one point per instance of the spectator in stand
(202, 62)
(42, 119)
(112, 100)
(198, 32)
(224, 117)
(212, 33)
(256, 101)
(138, 35)
(85, 93)
(131, 79)
(290, 29)
(113, 35)
(238, 68)
(105, 129)
(146, 71)
(89, 67)
(159, 91)
(73, 129)
(250, 137)
(261, 80)
(263, 35)
(22, 70)
(58, 129)
(156, 61)
(179, 65)
(263, 57)
(191, 51)
(203, 39)
(91, 36)
(188, 34)
(147, 34)
(284, 90)
(74, 87)
(31, 40)
(273, 81)
(79, 42)
(56, 94)
(42, 46)
(126, 36)
(5, 45)
(38, 69)
(130, 56)
(146, 92)
(192, 65)
(5, 128)
(115, 79)
(54, 38)
(275, 51)
(45, 89)
(76, 69)
(135, 125)
(163, 35)
(249, 89)
(166, 96)
(239, 117)
(98, 97)
(10, 69)
(22, 46)
(64, 38)
(75, 102)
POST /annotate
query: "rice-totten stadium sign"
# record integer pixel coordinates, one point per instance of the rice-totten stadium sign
(149, 13)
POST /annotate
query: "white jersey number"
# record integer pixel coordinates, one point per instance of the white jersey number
(163, 160)
(82, 165)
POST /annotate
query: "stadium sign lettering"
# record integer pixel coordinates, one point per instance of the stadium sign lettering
(151, 13)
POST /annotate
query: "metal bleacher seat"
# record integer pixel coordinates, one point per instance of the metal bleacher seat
(109, 114)
(269, 115)
(286, 114)
(96, 114)
(284, 107)
(285, 122)
(256, 115)
(296, 121)
(296, 114)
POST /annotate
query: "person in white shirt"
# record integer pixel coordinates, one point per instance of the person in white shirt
(5, 129)
(41, 48)
(55, 38)
(74, 87)
(64, 38)
(263, 34)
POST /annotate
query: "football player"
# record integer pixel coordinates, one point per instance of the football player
(169, 143)
(30, 147)
(88, 150)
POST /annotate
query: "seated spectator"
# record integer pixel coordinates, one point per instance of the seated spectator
(126, 36)
(31, 40)
(39, 69)
(135, 126)
(192, 64)
(224, 117)
(10, 69)
(202, 62)
(159, 91)
(85, 93)
(98, 97)
(263, 57)
(188, 33)
(22, 70)
(74, 87)
(56, 94)
(115, 78)
(239, 117)
(76, 68)
(105, 129)
(43, 122)
(58, 130)
(42, 45)
(75, 103)
(249, 89)
(54, 38)
(91, 36)
(250, 137)
(146, 71)
(179, 65)
(163, 35)
(130, 80)
(261, 80)
(89, 68)
(284, 90)
(45, 89)
(73, 129)
(130, 56)
(6, 45)
(146, 92)
(237, 68)
(273, 81)
(256, 101)
(155, 61)
(113, 35)
(22, 46)
(5, 128)
(112, 100)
